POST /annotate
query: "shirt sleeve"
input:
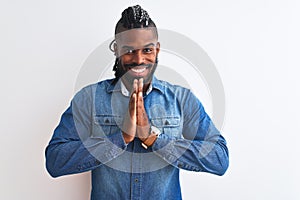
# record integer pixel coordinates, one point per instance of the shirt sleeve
(202, 147)
(72, 149)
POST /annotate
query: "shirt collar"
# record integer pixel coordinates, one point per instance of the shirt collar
(120, 87)
(126, 93)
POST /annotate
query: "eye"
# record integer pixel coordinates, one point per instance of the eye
(147, 50)
(129, 51)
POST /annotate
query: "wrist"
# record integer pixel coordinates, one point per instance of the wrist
(144, 137)
(127, 138)
(149, 141)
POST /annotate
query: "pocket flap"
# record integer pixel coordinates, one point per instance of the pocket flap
(108, 120)
(165, 121)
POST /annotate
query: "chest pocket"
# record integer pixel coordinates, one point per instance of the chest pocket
(105, 125)
(169, 126)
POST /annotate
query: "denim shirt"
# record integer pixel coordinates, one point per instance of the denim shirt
(89, 137)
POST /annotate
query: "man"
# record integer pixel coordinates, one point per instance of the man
(135, 132)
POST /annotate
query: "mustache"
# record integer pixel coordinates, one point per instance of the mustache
(132, 65)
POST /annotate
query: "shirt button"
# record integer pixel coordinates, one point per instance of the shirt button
(136, 180)
(97, 162)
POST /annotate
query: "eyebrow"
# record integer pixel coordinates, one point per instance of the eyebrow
(131, 47)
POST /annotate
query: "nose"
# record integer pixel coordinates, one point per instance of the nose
(138, 57)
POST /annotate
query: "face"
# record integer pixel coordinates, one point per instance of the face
(137, 50)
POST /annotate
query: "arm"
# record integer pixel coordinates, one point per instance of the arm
(202, 148)
(72, 149)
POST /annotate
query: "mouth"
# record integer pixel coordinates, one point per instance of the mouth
(138, 70)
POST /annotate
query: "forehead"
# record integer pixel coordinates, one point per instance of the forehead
(136, 37)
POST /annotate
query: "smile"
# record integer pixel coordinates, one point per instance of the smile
(138, 70)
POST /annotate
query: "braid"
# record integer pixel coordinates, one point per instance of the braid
(132, 17)
(118, 70)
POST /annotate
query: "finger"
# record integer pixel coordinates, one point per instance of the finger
(141, 85)
(140, 100)
(140, 110)
(140, 103)
(134, 86)
(129, 123)
(132, 105)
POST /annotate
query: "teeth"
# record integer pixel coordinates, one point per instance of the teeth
(138, 70)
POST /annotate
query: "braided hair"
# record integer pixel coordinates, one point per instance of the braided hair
(132, 17)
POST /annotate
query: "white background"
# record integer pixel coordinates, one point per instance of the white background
(254, 45)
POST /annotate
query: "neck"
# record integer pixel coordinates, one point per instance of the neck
(128, 85)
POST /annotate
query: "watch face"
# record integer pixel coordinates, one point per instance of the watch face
(155, 130)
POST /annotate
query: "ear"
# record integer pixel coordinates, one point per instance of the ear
(157, 47)
(116, 50)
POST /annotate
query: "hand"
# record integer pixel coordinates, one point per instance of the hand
(129, 124)
(136, 122)
(143, 126)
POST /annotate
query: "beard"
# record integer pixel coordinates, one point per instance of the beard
(122, 69)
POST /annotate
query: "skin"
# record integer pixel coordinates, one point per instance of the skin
(137, 47)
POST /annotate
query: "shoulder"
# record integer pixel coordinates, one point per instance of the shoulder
(184, 95)
(168, 88)
(90, 90)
